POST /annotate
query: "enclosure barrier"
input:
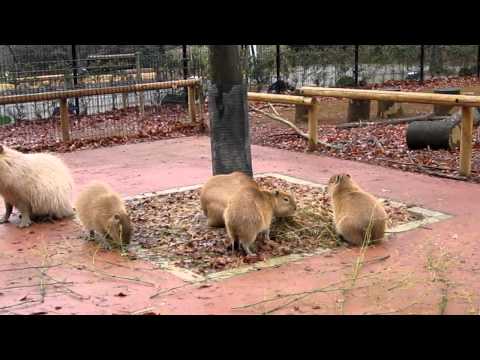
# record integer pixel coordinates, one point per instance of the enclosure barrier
(191, 84)
(465, 101)
(312, 104)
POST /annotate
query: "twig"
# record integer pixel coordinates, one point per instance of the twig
(19, 304)
(33, 285)
(309, 292)
(137, 280)
(31, 267)
(385, 122)
(168, 290)
(273, 109)
(282, 120)
(394, 311)
(294, 127)
(75, 294)
(142, 311)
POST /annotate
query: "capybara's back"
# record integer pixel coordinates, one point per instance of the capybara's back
(359, 217)
(36, 184)
(217, 191)
(101, 210)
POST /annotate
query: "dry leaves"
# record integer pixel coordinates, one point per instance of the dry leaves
(172, 227)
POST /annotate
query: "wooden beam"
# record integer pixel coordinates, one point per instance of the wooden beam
(400, 96)
(64, 120)
(191, 103)
(281, 99)
(313, 113)
(54, 95)
(466, 142)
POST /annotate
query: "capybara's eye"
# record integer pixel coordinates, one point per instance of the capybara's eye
(286, 199)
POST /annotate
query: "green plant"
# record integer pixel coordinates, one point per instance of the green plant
(5, 120)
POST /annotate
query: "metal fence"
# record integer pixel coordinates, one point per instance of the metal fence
(350, 65)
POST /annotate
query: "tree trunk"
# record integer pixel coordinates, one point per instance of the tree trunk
(438, 134)
(228, 109)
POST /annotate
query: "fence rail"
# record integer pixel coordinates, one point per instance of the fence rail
(465, 101)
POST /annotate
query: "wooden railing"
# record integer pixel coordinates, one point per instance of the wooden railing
(465, 101)
(305, 98)
(191, 84)
(313, 110)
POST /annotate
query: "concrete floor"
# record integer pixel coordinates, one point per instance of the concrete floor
(428, 270)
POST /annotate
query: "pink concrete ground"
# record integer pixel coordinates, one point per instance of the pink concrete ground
(429, 270)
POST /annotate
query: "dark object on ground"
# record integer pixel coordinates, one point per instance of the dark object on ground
(467, 71)
(358, 110)
(280, 87)
(438, 134)
(345, 81)
(413, 75)
(71, 110)
(180, 97)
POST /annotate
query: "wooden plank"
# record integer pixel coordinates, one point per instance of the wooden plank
(64, 120)
(466, 142)
(313, 124)
(400, 96)
(278, 98)
(54, 95)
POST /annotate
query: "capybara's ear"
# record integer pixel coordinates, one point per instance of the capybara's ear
(276, 192)
(1, 149)
(116, 217)
(348, 175)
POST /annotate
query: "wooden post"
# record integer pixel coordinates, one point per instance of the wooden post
(201, 101)
(313, 112)
(64, 120)
(466, 142)
(191, 103)
(141, 99)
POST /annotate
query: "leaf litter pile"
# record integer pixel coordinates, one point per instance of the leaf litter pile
(172, 228)
(115, 127)
(383, 145)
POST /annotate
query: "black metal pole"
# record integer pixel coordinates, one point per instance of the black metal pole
(355, 71)
(478, 62)
(278, 62)
(422, 58)
(75, 76)
(185, 62)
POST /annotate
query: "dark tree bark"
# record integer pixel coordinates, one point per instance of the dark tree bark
(438, 134)
(228, 110)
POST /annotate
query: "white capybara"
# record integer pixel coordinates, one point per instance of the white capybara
(38, 185)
